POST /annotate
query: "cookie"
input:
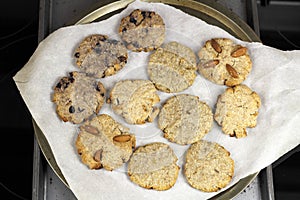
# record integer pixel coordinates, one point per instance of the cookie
(172, 68)
(134, 100)
(103, 142)
(224, 62)
(184, 119)
(237, 109)
(78, 97)
(142, 30)
(99, 56)
(153, 166)
(208, 166)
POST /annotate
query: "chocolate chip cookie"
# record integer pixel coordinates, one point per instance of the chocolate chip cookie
(142, 30)
(99, 56)
(237, 109)
(103, 142)
(224, 62)
(78, 97)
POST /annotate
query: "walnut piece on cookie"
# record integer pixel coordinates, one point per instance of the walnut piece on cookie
(185, 119)
(99, 56)
(103, 142)
(237, 109)
(208, 166)
(153, 166)
(142, 30)
(172, 68)
(224, 62)
(135, 101)
(78, 97)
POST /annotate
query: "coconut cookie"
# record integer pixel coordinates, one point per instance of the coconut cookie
(208, 166)
(184, 119)
(224, 62)
(142, 30)
(237, 109)
(103, 142)
(99, 56)
(134, 100)
(78, 97)
(153, 166)
(172, 68)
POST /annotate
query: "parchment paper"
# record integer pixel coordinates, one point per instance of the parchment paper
(275, 77)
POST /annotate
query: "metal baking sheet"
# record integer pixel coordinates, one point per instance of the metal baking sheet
(209, 11)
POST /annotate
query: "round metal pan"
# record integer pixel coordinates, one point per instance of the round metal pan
(209, 11)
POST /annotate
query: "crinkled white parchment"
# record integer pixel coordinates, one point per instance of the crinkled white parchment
(275, 77)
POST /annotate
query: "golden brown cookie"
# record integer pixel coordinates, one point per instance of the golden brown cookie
(224, 62)
(78, 97)
(135, 101)
(208, 166)
(103, 142)
(237, 109)
(184, 119)
(153, 166)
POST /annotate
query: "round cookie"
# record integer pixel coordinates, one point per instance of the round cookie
(134, 100)
(99, 56)
(184, 119)
(103, 142)
(224, 62)
(172, 68)
(237, 109)
(78, 97)
(153, 166)
(142, 30)
(208, 166)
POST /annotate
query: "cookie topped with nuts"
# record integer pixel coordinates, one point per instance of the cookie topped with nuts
(153, 166)
(224, 62)
(237, 109)
(99, 56)
(103, 142)
(142, 30)
(185, 119)
(78, 97)
(135, 101)
(208, 166)
(172, 68)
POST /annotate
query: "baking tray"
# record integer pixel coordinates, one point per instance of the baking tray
(209, 11)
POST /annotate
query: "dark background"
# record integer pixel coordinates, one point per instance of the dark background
(280, 28)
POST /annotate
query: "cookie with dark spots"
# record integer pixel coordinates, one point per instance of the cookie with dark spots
(142, 30)
(77, 97)
(99, 56)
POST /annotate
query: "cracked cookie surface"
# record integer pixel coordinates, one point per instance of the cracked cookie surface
(185, 119)
(103, 142)
(153, 166)
(142, 30)
(224, 62)
(208, 166)
(172, 68)
(99, 56)
(135, 101)
(78, 97)
(237, 109)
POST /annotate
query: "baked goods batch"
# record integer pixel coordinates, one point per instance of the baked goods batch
(103, 142)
